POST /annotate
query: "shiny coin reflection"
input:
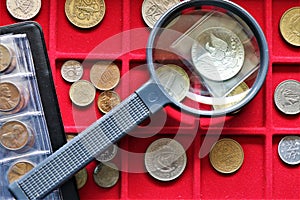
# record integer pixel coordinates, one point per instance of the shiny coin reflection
(289, 150)
(106, 175)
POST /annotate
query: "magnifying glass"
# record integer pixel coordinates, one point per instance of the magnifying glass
(205, 57)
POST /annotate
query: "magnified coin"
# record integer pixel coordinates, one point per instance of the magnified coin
(72, 71)
(105, 75)
(23, 9)
(9, 96)
(226, 156)
(18, 170)
(289, 149)
(5, 58)
(106, 175)
(287, 97)
(107, 100)
(81, 178)
(165, 159)
(108, 154)
(290, 26)
(82, 93)
(85, 14)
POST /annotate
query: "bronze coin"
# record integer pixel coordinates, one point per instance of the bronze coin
(10, 96)
(290, 26)
(18, 170)
(5, 57)
(107, 100)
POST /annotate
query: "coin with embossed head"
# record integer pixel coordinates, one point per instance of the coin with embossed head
(85, 14)
(108, 154)
(10, 96)
(165, 159)
(290, 26)
(106, 175)
(5, 58)
(72, 71)
(107, 100)
(23, 9)
(82, 93)
(19, 169)
(289, 149)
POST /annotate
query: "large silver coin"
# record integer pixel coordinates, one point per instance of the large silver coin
(287, 97)
(106, 175)
(165, 159)
(218, 54)
(23, 9)
(289, 150)
(82, 93)
(72, 71)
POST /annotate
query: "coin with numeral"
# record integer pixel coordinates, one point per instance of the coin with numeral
(5, 57)
(23, 9)
(107, 100)
(72, 71)
(289, 149)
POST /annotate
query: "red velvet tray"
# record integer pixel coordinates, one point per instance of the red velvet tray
(258, 127)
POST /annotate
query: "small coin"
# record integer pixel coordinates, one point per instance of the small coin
(70, 137)
(18, 170)
(289, 150)
(165, 159)
(108, 154)
(152, 10)
(5, 58)
(105, 75)
(175, 81)
(85, 14)
(226, 156)
(72, 71)
(287, 97)
(81, 178)
(82, 93)
(107, 100)
(23, 10)
(290, 26)
(106, 175)
(218, 54)
(10, 96)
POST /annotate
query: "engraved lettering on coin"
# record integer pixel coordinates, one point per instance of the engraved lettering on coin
(108, 154)
(287, 97)
(107, 100)
(165, 159)
(9, 96)
(218, 54)
(23, 9)
(85, 13)
(18, 170)
(105, 75)
(5, 58)
(289, 150)
(106, 175)
(82, 93)
(72, 71)
(81, 178)
(290, 26)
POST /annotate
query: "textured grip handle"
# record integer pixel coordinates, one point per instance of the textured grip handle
(65, 162)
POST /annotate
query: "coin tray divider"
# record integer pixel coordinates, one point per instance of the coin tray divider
(258, 127)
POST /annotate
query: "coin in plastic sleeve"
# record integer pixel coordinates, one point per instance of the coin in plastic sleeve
(18, 169)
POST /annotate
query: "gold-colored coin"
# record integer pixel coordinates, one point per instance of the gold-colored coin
(5, 57)
(18, 170)
(85, 14)
(226, 156)
(290, 26)
(107, 100)
(105, 75)
(81, 178)
(10, 96)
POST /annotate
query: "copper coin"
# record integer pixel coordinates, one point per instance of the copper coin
(5, 57)
(290, 26)
(9, 96)
(18, 170)
(105, 75)
(107, 100)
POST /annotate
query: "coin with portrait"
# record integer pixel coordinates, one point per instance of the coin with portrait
(19, 169)
(5, 58)
(10, 96)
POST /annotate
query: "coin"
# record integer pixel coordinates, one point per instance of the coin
(9, 96)
(23, 9)
(5, 58)
(289, 149)
(289, 26)
(18, 170)
(107, 100)
(226, 156)
(81, 178)
(105, 75)
(85, 14)
(165, 159)
(106, 175)
(287, 97)
(108, 154)
(69, 137)
(218, 54)
(82, 93)
(72, 71)
(175, 81)
(152, 10)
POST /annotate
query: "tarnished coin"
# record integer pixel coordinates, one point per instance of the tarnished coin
(289, 150)
(290, 26)
(218, 54)
(287, 97)
(72, 71)
(152, 10)
(106, 175)
(81, 178)
(5, 57)
(23, 9)
(85, 14)
(107, 100)
(108, 154)
(82, 93)
(175, 81)
(226, 156)
(105, 75)
(165, 159)
(18, 170)
(10, 96)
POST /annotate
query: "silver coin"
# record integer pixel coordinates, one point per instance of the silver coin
(287, 97)
(23, 9)
(106, 175)
(165, 159)
(289, 150)
(72, 71)
(108, 154)
(82, 93)
(174, 80)
(218, 54)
